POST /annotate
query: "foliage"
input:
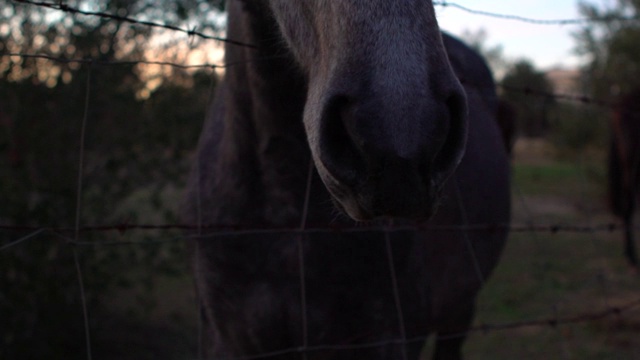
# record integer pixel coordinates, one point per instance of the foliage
(135, 157)
(576, 128)
(611, 48)
(532, 107)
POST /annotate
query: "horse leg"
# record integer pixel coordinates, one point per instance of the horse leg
(414, 350)
(449, 342)
(449, 346)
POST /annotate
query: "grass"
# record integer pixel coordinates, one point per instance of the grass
(548, 179)
(554, 276)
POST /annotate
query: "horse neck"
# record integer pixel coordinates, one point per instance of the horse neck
(263, 119)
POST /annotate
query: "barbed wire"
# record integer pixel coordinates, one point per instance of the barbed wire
(553, 322)
(94, 61)
(579, 98)
(524, 19)
(527, 90)
(484, 328)
(256, 230)
(245, 230)
(60, 6)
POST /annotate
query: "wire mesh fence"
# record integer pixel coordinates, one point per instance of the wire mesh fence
(562, 281)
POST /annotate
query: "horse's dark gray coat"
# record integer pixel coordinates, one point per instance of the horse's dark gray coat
(251, 171)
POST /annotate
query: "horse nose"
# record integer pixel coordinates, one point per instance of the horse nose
(427, 133)
(399, 153)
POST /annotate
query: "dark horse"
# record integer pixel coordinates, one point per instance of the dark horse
(624, 160)
(346, 107)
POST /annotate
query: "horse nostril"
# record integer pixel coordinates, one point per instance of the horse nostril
(338, 151)
(453, 149)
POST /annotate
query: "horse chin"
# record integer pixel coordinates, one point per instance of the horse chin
(362, 211)
(342, 196)
(362, 202)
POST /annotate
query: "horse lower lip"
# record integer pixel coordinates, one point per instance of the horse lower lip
(353, 209)
(418, 208)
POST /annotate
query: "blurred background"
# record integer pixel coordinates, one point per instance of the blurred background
(101, 104)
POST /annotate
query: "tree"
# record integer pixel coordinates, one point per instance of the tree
(529, 92)
(135, 157)
(610, 45)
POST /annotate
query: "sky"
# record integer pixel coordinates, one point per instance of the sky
(548, 46)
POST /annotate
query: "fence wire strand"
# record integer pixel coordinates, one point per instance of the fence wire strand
(190, 32)
(301, 259)
(551, 322)
(449, 4)
(396, 293)
(80, 188)
(580, 98)
(226, 231)
(575, 98)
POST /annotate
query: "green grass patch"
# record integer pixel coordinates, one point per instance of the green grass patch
(559, 178)
(556, 276)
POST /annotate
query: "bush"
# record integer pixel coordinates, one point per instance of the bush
(576, 128)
